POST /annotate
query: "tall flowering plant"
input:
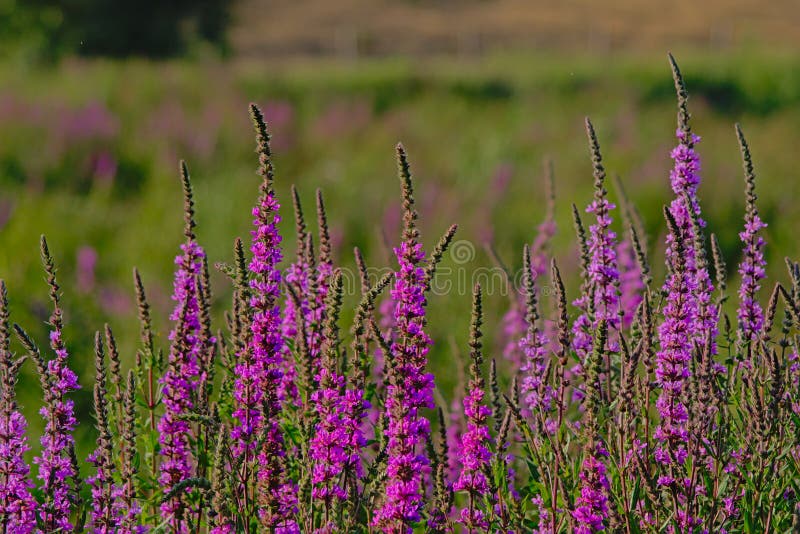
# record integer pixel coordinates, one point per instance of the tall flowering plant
(474, 453)
(685, 210)
(752, 267)
(257, 434)
(58, 469)
(410, 385)
(599, 300)
(183, 374)
(17, 506)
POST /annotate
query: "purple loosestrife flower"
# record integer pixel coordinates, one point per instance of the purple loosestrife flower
(56, 466)
(474, 453)
(685, 210)
(752, 266)
(591, 506)
(544, 518)
(599, 300)
(107, 504)
(182, 377)
(330, 447)
(537, 396)
(603, 271)
(327, 447)
(309, 280)
(673, 367)
(131, 509)
(353, 405)
(410, 387)
(17, 506)
(277, 496)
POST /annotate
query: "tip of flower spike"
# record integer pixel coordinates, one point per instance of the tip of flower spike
(50, 270)
(257, 116)
(324, 233)
(255, 113)
(45, 250)
(531, 304)
(683, 97)
(747, 164)
(475, 332)
(188, 201)
(262, 144)
(410, 233)
(597, 160)
(4, 338)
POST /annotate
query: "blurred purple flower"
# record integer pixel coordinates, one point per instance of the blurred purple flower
(342, 118)
(85, 271)
(105, 168)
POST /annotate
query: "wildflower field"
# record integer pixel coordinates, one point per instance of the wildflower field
(550, 323)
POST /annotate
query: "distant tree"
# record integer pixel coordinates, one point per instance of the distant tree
(116, 28)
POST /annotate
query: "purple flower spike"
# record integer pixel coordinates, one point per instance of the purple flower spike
(107, 504)
(599, 300)
(474, 453)
(685, 210)
(17, 506)
(410, 387)
(537, 395)
(475, 457)
(107, 508)
(591, 507)
(257, 389)
(753, 264)
(56, 467)
(672, 371)
(181, 381)
(337, 440)
(183, 375)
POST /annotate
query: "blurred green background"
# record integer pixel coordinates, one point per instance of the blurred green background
(99, 100)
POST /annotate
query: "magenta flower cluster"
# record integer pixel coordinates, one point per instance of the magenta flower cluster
(475, 458)
(266, 345)
(181, 380)
(685, 210)
(591, 507)
(17, 506)
(410, 390)
(55, 464)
